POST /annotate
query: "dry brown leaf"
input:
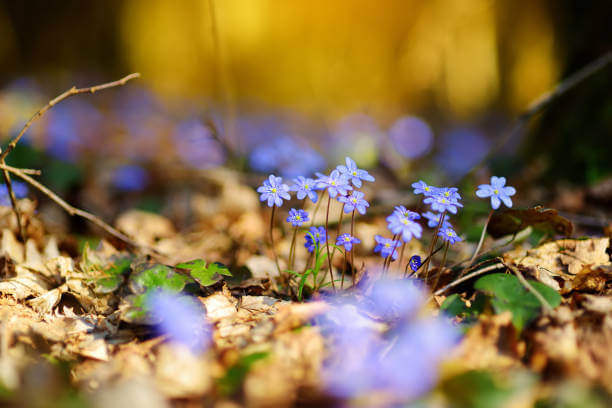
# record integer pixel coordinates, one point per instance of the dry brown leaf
(146, 228)
(180, 373)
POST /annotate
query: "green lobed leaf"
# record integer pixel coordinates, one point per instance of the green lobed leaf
(509, 294)
(161, 277)
(204, 274)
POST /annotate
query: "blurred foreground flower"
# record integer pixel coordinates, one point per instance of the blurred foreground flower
(398, 360)
(181, 319)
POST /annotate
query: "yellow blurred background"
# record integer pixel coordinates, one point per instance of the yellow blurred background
(333, 57)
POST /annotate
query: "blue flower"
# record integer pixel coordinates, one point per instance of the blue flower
(19, 189)
(449, 234)
(442, 203)
(347, 241)
(394, 299)
(355, 175)
(130, 178)
(421, 187)
(305, 187)
(406, 227)
(316, 237)
(386, 247)
(433, 219)
(354, 201)
(402, 211)
(181, 318)
(415, 262)
(274, 191)
(335, 183)
(297, 217)
(498, 191)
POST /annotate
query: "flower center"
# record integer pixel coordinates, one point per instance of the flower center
(354, 173)
(387, 245)
(306, 186)
(354, 200)
(405, 221)
(427, 188)
(347, 239)
(449, 233)
(443, 201)
(447, 194)
(273, 189)
(298, 217)
(496, 191)
(333, 183)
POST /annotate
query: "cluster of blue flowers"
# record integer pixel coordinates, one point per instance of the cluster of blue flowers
(341, 184)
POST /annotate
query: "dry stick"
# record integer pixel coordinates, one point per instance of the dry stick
(542, 101)
(547, 307)
(468, 277)
(13, 143)
(9, 187)
(482, 236)
(329, 260)
(73, 210)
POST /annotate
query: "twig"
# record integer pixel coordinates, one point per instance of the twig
(481, 241)
(13, 143)
(530, 288)
(544, 100)
(73, 210)
(468, 277)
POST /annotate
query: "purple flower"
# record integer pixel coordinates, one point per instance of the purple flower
(274, 191)
(355, 175)
(305, 187)
(449, 192)
(347, 241)
(386, 247)
(297, 217)
(449, 234)
(407, 228)
(335, 183)
(421, 187)
(20, 189)
(441, 203)
(354, 201)
(434, 219)
(402, 211)
(498, 191)
(394, 299)
(130, 178)
(415, 262)
(316, 237)
(181, 319)
(401, 363)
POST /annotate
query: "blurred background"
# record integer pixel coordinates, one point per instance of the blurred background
(403, 86)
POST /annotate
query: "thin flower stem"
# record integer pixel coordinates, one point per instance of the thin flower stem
(482, 237)
(316, 209)
(329, 260)
(344, 270)
(401, 258)
(441, 268)
(292, 249)
(423, 262)
(387, 261)
(467, 277)
(352, 256)
(272, 240)
(433, 244)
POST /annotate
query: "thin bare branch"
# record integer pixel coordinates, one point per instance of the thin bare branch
(76, 211)
(71, 92)
(468, 277)
(530, 288)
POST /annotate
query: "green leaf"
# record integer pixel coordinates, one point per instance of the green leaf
(454, 305)
(203, 274)
(475, 389)
(235, 375)
(509, 294)
(114, 276)
(161, 277)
